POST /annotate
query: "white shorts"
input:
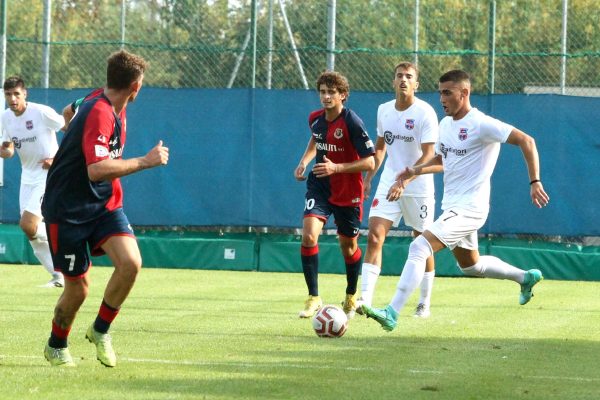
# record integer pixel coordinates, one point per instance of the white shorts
(416, 211)
(456, 227)
(30, 198)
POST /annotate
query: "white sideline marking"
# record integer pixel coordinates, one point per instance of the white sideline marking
(300, 366)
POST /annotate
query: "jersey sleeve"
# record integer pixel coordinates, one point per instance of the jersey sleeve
(493, 130)
(380, 132)
(430, 128)
(52, 119)
(97, 130)
(360, 138)
(3, 133)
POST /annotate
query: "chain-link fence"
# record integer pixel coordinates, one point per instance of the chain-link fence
(544, 46)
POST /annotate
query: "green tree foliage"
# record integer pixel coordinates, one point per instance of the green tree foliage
(200, 43)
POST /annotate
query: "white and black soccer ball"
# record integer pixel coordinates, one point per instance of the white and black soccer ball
(330, 322)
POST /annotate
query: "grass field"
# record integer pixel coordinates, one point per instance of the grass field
(187, 334)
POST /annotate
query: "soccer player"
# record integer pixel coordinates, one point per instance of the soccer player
(343, 150)
(407, 129)
(83, 207)
(468, 149)
(30, 128)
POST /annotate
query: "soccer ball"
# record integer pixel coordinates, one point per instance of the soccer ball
(330, 322)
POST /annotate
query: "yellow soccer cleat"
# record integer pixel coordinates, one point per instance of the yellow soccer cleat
(311, 306)
(349, 305)
(104, 351)
(58, 357)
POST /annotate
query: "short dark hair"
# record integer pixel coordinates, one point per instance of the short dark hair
(335, 80)
(123, 69)
(13, 82)
(407, 65)
(456, 75)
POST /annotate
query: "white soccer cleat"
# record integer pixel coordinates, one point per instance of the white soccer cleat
(421, 311)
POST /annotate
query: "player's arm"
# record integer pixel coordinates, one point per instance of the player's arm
(309, 154)
(69, 111)
(403, 178)
(7, 150)
(378, 157)
(530, 153)
(115, 168)
(432, 166)
(327, 167)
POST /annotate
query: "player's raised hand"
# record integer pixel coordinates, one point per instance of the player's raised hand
(158, 155)
(538, 196)
(325, 168)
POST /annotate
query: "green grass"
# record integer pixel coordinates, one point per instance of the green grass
(186, 334)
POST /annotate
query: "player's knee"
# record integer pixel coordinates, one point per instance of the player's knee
(29, 228)
(419, 249)
(129, 267)
(375, 240)
(309, 240)
(474, 270)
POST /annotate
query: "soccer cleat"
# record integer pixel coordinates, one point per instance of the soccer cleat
(56, 282)
(58, 357)
(104, 351)
(349, 305)
(387, 317)
(532, 277)
(422, 311)
(359, 302)
(311, 306)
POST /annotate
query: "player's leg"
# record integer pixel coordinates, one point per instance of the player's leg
(32, 225)
(309, 253)
(348, 220)
(472, 264)
(371, 267)
(412, 274)
(69, 254)
(418, 214)
(383, 215)
(113, 235)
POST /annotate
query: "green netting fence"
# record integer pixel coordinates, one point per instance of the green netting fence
(518, 46)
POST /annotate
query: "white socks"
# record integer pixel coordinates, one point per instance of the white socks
(412, 273)
(493, 267)
(368, 279)
(41, 249)
(426, 286)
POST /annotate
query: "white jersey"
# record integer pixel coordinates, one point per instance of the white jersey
(33, 135)
(469, 148)
(404, 132)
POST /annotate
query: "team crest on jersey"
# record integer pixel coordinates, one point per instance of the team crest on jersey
(338, 134)
(462, 135)
(409, 124)
(29, 125)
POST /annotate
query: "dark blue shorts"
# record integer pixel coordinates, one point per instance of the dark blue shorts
(347, 219)
(69, 243)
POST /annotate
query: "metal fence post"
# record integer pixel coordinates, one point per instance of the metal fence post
(416, 38)
(331, 20)
(563, 49)
(492, 47)
(46, 44)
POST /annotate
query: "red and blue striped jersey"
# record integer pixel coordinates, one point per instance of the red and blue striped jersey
(342, 140)
(96, 133)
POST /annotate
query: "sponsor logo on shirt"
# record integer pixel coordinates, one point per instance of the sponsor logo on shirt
(29, 125)
(18, 142)
(462, 134)
(458, 152)
(328, 147)
(100, 151)
(101, 139)
(409, 124)
(355, 200)
(390, 137)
